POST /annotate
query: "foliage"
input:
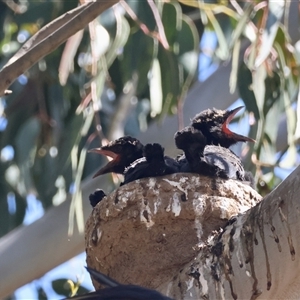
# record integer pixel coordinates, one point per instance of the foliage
(67, 287)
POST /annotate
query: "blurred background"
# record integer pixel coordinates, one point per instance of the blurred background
(141, 68)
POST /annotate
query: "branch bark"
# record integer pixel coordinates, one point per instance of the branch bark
(256, 257)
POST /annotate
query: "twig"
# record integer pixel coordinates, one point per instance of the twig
(160, 26)
(143, 26)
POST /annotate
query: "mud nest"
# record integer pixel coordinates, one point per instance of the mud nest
(144, 232)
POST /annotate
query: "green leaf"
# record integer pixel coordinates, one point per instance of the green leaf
(40, 13)
(138, 52)
(137, 59)
(275, 13)
(169, 79)
(187, 38)
(267, 151)
(25, 140)
(245, 87)
(42, 294)
(287, 56)
(188, 55)
(172, 20)
(120, 39)
(242, 24)
(61, 287)
(291, 156)
(76, 203)
(82, 290)
(155, 89)
(21, 205)
(25, 148)
(143, 12)
(5, 217)
(223, 50)
(235, 66)
(297, 130)
(272, 93)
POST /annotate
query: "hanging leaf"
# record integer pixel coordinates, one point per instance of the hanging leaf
(170, 80)
(41, 294)
(223, 50)
(62, 287)
(188, 54)
(235, 65)
(291, 155)
(155, 88)
(275, 13)
(172, 21)
(120, 38)
(66, 63)
(245, 87)
(243, 22)
(137, 59)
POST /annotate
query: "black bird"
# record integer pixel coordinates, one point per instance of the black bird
(153, 164)
(117, 291)
(199, 157)
(96, 197)
(123, 152)
(213, 124)
(205, 144)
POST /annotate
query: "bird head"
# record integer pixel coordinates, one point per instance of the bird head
(214, 125)
(123, 152)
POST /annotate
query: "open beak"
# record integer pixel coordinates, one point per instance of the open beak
(104, 152)
(234, 135)
(110, 165)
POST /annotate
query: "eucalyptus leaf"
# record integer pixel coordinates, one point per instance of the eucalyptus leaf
(172, 21)
(41, 294)
(137, 58)
(39, 11)
(245, 87)
(156, 95)
(223, 50)
(275, 13)
(291, 156)
(61, 287)
(144, 13)
(243, 22)
(235, 66)
(170, 79)
(120, 39)
(5, 217)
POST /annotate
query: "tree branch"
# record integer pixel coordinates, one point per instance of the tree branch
(49, 38)
(257, 256)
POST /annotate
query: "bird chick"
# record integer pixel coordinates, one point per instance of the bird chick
(205, 144)
(213, 124)
(153, 164)
(96, 197)
(123, 152)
